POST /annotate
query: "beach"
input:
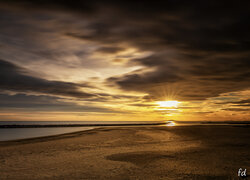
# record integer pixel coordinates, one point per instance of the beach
(146, 152)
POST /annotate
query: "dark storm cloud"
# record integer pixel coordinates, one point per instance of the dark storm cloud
(45, 103)
(109, 50)
(235, 109)
(142, 105)
(179, 24)
(27, 101)
(194, 79)
(242, 102)
(16, 78)
(245, 102)
(243, 105)
(202, 48)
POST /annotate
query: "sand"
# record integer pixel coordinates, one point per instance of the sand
(190, 152)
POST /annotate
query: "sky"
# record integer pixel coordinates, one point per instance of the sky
(124, 61)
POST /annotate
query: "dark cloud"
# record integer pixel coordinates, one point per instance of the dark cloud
(109, 50)
(142, 105)
(15, 78)
(194, 79)
(201, 48)
(235, 109)
(45, 103)
(179, 24)
(187, 107)
(243, 105)
(245, 102)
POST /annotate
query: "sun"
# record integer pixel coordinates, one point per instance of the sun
(168, 103)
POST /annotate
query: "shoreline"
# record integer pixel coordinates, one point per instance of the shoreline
(46, 138)
(74, 125)
(81, 132)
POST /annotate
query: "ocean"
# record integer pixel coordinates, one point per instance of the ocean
(15, 130)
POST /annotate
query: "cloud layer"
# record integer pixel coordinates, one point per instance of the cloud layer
(202, 48)
(127, 54)
(14, 78)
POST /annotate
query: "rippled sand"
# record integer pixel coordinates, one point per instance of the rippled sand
(190, 152)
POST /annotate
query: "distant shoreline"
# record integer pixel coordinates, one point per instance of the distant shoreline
(73, 125)
(177, 123)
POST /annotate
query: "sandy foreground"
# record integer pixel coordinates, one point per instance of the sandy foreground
(189, 152)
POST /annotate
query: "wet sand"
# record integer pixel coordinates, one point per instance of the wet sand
(188, 152)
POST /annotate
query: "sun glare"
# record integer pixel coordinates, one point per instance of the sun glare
(171, 123)
(168, 103)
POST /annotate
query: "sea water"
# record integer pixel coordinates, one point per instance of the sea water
(7, 134)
